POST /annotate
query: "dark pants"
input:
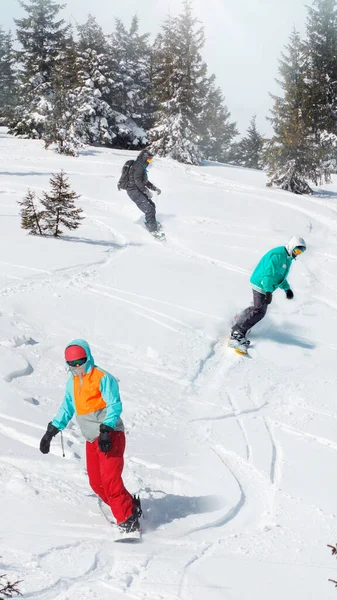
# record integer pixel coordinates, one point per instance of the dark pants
(146, 206)
(252, 315)
(105, 476)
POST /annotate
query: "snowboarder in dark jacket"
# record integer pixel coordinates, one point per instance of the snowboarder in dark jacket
(139, 189)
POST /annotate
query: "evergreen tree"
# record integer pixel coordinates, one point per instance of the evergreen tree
(95, 120)
(79, 113)
(248, 152)
(8, 589)
(293, 155)
(7, 77)
(321, 68)
(216, 131)
(91, 37)
(180, 85)
(31, 217)
(131, 60)
(321, 75)
(63, 126)
(42, 37)
(60, 206)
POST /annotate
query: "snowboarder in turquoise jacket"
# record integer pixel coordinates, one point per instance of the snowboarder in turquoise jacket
(269, 274)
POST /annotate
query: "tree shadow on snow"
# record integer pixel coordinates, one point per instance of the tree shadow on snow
(90, 152)
(321, 193)
(106, 243)
(285, 337)
(27, 173)
(169, 507)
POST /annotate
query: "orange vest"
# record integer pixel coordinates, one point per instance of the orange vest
(87, 393)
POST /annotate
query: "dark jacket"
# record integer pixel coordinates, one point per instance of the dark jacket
(138, 177)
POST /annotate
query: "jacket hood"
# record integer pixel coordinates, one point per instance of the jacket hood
(293, 242)
(90, 359)
(144, 154)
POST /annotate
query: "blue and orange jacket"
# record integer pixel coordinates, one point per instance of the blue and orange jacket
(93, 398)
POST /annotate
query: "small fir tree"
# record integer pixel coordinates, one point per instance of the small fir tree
(8, 589)
(60, 207)
(249, 151)
(31, 217)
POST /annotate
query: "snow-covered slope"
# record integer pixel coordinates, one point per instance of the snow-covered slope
(234, 458)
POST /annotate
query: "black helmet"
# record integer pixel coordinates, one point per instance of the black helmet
(145, 155)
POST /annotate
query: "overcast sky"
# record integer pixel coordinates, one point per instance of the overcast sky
(244, 39)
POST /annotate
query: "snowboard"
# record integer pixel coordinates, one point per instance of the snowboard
(119, 537)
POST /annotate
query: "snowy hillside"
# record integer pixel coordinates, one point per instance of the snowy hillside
(234, 458)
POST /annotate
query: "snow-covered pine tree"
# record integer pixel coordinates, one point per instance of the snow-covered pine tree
(215, 129)
(60, 207)
(7, 78)
(180, 84)
(42, 37)
(321, 73)
(31, 216)
(248, 152)
(293, 155)
(130, 60)
(62, 125)
(96, 122)
(91, 35)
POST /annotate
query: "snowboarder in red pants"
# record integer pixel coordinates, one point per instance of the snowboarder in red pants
(93, 395)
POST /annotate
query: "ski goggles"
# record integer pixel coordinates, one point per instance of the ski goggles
(78, 362)
(298, 250)
(149, 159)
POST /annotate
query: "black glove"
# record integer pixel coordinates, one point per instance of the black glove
(119, 187)
(289, 294)
(47, 438)
(158, 191)
(104, 438)
(269, 297)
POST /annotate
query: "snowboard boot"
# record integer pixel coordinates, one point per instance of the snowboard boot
(131, 525)
(159, 226)
(238, 337)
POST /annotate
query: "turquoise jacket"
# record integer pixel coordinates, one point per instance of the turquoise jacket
(272, 270)
(93, 398)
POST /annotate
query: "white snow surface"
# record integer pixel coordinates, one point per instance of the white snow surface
(234, 458)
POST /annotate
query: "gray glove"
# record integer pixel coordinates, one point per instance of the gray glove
(158, 191)
(148, 193)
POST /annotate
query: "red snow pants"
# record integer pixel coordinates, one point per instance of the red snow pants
(105, 476)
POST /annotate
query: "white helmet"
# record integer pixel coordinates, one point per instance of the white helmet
(295, 242)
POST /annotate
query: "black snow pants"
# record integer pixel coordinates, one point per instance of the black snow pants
(251, 315)
(146, 205)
